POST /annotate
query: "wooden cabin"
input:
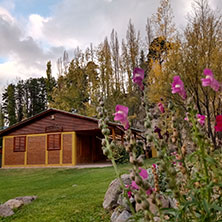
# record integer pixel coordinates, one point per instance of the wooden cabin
(54, 138)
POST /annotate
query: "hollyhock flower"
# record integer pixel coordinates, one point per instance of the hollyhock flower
(121, 115)
(134, 185)
(138, 76)
(149, 191)
(218, 126)
(129, 193)
(209, 80)
(215, 85)
(178, 87)
(143, 173)
(201, 119)
(161, 107)
(154, 166)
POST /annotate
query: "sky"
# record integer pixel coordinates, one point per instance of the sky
(33, 32)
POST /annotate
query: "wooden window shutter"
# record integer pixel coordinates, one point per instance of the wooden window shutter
(19, 143)
(54, 142)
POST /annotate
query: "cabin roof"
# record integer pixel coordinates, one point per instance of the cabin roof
(52, 110)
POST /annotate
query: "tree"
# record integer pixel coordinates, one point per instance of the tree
(2, 122)
(50, 82)
(163, 21)
(200, 49)
(9, 104)
(19, 92)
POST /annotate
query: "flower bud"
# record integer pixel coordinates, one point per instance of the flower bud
(137, 198)
(112, 146)
(106, 132)
(103, 142)
(106, 120)
(145, 204)
(138, 180)
(100, 114)
(106, 151)
(140, 160)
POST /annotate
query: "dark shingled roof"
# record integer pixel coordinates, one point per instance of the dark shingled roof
(51, 110)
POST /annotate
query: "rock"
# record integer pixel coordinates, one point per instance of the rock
(123, 217)
(115, 215)
(13, 203)
(26, 199)
(5, 211)
(113, 192)
(122, 201)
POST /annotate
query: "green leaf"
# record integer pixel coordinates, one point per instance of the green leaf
(206, 206)
(216, 207)
(210, 160)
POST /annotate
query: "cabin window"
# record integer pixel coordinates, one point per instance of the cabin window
(19, 143)
(54, 142)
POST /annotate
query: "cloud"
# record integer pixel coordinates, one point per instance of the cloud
(21, 55)
(27, 43)
(90, 21)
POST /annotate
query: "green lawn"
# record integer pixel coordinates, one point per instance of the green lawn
(64, 194)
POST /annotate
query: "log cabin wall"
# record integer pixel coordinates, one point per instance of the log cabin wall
(79, 141)
(37, 154)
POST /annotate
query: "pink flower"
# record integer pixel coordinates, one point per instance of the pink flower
(201, 119)
(161, 107)
(121, 115)
(138, 76)
(215, 85)
(129, 193)
(154, 166)
(178, 87)
(143, 173)
(209, 80)
(149, 191)
(218, 126)
(134, 185)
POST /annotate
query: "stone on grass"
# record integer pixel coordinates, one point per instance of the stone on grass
(123, 217)
(113, 192)
(115, 215)
(26, 199)
(5, 211)
(13, 203)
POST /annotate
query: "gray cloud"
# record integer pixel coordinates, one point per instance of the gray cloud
(73, 23)
(90, 21)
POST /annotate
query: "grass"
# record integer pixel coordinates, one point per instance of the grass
(64, 194)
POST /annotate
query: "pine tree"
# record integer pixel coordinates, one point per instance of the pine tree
(9, 104)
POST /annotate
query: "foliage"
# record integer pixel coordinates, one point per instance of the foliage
(119, 153)
(23, 100)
